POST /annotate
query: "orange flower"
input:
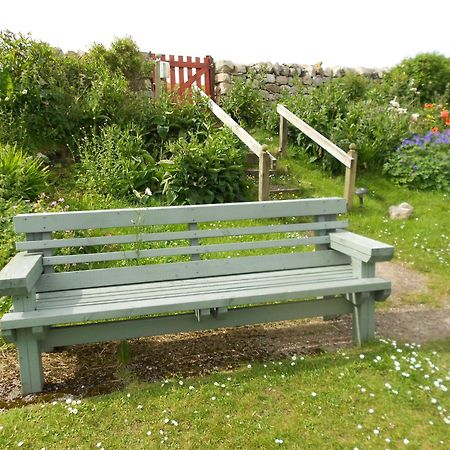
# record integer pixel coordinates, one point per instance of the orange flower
(444, 114)
(435, 129)
(428, 105)
(447, 122)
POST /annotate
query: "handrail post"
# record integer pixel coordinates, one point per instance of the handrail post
(350, 177)
(283, 136)
(264, 172)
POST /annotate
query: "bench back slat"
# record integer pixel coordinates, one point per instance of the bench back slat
(83, 220)
(184, 270)
(177, 235)
(176, 251)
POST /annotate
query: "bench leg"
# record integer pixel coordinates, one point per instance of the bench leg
(31, 374)
(363, 319)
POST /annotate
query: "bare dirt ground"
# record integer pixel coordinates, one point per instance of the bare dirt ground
(94, 369)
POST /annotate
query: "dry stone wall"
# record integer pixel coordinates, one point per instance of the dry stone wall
(272, 79)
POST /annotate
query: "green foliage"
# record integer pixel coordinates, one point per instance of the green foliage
(114, 161)
(48, 100)
(421, 163)
(123, 58)
(244, 103)
(428, 73)
(21, 175)
(205, 172)
(346, 110)
(169, 118)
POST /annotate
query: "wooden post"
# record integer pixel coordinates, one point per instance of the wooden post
(283, 136)
(350, 177)
(264, 172)
(157, 78)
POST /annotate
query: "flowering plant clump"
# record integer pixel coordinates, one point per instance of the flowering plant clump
(434, 117)
(422, 161)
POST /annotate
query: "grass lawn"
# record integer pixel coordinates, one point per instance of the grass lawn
(384, 396)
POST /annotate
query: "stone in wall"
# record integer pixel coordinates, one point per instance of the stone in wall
(281, 79)
(223, 77)
(224, 66)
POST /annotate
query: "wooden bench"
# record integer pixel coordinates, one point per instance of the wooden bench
(92, 276)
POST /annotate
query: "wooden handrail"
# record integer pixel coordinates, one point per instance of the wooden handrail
(348, 159)
(248, 140)
(265, 158)
(318, 138)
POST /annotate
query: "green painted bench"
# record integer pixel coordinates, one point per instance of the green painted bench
(93, 276)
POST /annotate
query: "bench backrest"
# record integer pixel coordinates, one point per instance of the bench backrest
(164, 243)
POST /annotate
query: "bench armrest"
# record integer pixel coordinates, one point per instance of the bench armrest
(20, 275)
(360, 247)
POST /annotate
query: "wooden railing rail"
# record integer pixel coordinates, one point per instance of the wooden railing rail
(265, 158)
(349, 159)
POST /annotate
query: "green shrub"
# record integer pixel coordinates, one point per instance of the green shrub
(422, 162)
(428, 73)
(375, 130)
(21, 175)
(244, 103)
(205, 172)
(114, 162)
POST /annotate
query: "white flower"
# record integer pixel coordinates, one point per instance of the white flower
(394, 103)
(313, 394)
(24, 92)
(148, 192)
(249, 366)
(406, 441)
(19, 444)
(181, 382)
(362, 356)
(149, 433)
(371, 411)
(278, 441)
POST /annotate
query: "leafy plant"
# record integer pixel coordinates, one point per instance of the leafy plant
(422, 162)
(205, 172)
(114, 161)
(244, 103)
(21, 175)
(426, 73)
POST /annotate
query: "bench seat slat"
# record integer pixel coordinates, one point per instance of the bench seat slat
(176, 251)
(170, 289)
(177, 235)
(82, 220)
(212, 298)
(183, 270)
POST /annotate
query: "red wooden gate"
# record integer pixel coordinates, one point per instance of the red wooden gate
(183, 74)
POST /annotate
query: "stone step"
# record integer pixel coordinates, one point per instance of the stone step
(281, 189)
(255, 172)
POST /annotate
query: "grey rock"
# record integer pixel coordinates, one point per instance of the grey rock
(240, 68)
(266, 95)
(273, 88)
(270, 78)
(328, 72)
(224, 66)
(284, 70)
(400, 212)
(223, 88)
(307, 79)
(223, 77)
(276, 69)
(281, 79)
